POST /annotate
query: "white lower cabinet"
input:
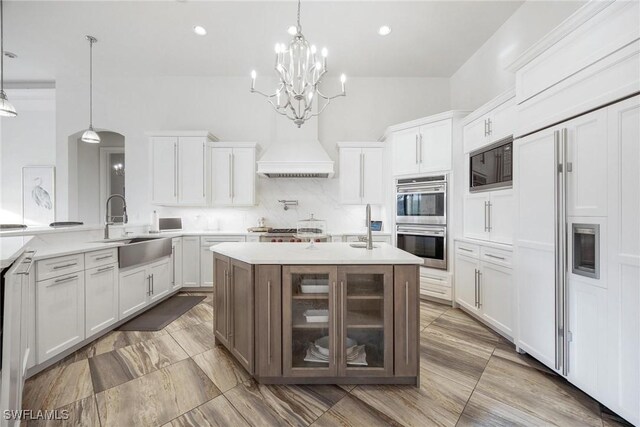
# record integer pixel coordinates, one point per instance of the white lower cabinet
(494, 284)
(191, 261)
(60, 314)
(207, 269)
(134, 290)
(435, 283)
(484, 284)
(139, 286)
(101, 298)
(465, 279)
(160, 273)
(176, 263)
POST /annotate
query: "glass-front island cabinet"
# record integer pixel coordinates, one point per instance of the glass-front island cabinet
(322, 324)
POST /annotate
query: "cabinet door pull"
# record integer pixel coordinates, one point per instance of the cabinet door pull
(226, 305)
(485, 127)
(406, 321)
(173, 259)
(269, 319)
(335, 324)
(485, 217)
(230, 300)
(479, 289)
(58, 267)
(153, 288)
(490, 130)
(230, 177)
(175, 170)
(489, 216)
(361, 175)
(343, 296)
(65, 279)
(416, 149)
(204, 168)
(420, 148)
(475, 287)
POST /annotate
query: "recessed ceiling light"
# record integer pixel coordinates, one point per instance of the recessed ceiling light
(385, 30)
(199, 30)
(292, 30)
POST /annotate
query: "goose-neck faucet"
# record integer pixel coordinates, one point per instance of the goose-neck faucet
(109, 219)
(369, 237)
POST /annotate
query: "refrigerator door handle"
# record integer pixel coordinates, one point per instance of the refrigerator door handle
(560, 141)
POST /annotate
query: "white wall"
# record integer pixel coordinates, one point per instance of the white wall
(133, 106)
(483, 76)
(28, 139)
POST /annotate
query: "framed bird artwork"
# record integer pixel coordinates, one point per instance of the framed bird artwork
(38, 195)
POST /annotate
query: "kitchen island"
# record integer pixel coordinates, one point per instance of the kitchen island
(328, 313)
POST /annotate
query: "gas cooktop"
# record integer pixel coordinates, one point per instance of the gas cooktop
(282, 231)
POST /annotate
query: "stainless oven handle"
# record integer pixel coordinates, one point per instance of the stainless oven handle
(421, 233)
(579, 230)
(437, 189)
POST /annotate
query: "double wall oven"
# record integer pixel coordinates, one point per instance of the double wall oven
(421, 218)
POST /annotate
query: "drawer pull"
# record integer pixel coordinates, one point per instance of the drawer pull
(495, 256)
(58, 267)
(436, 292)
(100, 270)
(439, 279)
(465, 249)
(65, 279)
(104, 257)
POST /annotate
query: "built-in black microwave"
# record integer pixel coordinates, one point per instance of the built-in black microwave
(491, 167)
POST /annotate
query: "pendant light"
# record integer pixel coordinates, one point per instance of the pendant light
(6, 108)
(90, 136)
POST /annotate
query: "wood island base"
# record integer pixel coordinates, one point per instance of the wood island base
(319, 324)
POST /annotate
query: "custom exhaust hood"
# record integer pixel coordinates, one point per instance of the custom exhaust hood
(296, 160)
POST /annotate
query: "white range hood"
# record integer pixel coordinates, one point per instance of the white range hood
(296, 160)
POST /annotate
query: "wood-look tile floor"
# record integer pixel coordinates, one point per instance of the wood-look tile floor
(177, 377)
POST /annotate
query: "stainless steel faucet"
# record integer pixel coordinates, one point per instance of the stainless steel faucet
(369, 237)
(109, 219)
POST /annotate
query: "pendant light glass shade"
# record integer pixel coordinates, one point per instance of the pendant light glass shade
(90, 136)
(6, 108)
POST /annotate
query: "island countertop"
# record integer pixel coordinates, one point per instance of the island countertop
(320, 254)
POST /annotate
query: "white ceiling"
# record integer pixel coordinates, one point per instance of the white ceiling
(429, 38)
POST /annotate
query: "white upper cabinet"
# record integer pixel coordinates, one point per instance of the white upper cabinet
(164, 177)
(233, 174)
(435, 146)
(422, 149)
(361, 178)
(490, 123)
(405, 151)
(180, 168)
(192, 171)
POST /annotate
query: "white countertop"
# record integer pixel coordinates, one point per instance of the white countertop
(322, 253)
(11, 248)
(14, 243)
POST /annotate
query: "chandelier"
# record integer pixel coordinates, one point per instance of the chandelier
(300, 71)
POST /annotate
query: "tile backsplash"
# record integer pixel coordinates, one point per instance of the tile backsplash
(316, 196)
